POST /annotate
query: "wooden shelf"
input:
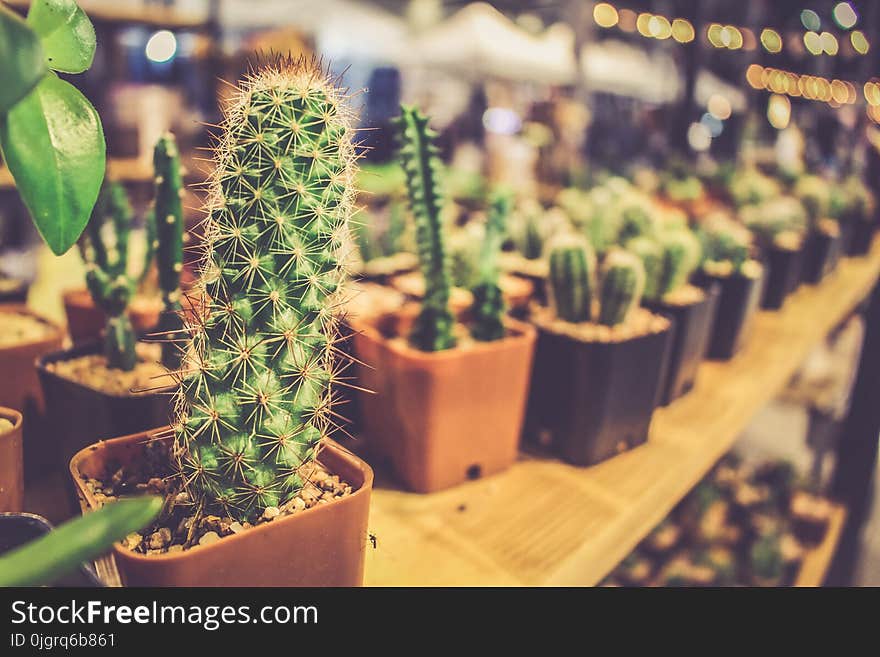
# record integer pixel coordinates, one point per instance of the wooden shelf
(547, 523)
(818, 560)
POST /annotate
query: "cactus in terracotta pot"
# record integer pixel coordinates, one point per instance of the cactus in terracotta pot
(489, 307)
(256, 401)
(168, 213)
(104, 247)
(572, 278)
(433, 328)
(623, 281)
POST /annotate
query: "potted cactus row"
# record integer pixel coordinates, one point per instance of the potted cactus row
(447, 399)
(823, 244)
(245, 464)
(600, 357)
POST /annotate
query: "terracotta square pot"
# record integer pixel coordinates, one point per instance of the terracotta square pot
(593, 400)
(443, 418)
(11, 463)
(321, 546)
(85, 321)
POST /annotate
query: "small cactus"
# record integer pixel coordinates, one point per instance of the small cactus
(682, 253)
(433, 328)
(572, 278)
(651, 253)
(726, 245)
(766, 560)
(623, 281)
(815, 194)
(488, 309)
(105, 249)
(168, 210)
(256, 401)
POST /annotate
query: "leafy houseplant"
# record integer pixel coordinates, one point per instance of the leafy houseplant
(438, 425)
(600, 357)
(51, 136)
(255, 404)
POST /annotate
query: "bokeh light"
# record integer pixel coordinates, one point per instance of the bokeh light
(829, 43)
(813, 42)
(605, 15)
(810, 20)
(161, 47)
(779, 111)
(771, 40)
(719, 107)
(859, 42)
(682, 30)
(844, 15)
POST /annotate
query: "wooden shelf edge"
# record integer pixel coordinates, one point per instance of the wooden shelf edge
(817, 561)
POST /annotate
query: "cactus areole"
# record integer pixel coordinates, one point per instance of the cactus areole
(256, 395)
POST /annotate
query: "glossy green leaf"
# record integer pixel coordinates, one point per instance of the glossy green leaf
(21, 59)
(54, 146)
(62, 550)
(66, 33)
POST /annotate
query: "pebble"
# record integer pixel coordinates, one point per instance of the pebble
(236, 528)
(208, 538)
(175, 548)
(132, 541)
(271, 513)
(160, 539)
(299, 504)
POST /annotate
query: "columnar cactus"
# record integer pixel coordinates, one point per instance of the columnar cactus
(651, 253)
(433, 328)
(168, 211)
(104, 248)
(726, 246)
(572, 278)
(488, 309)
(623, 281)
(682, 253)
(256, 398)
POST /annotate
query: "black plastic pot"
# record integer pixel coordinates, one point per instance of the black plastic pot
(16, 529)
(592, 400)
(689, 339)
(738, 299)
(79, 415)
(821, 255)
(857, 235)
(783, 271)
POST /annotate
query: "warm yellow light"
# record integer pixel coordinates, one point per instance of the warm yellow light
(872, 93)
(829, 43)
(659, 27)
(731, 37)
(753, 76)
(642, 24)
(851, 94)
(605, 15)
(749, 41)
(682, 30)
(779, 111)
(771, 40)
(161, 47)
(627, 20)
(714, 35)
(859, 42)
(813, 42)
(838, 91)
(719, 107)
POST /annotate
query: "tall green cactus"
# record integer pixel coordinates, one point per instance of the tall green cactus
(256, 401)
(623, 281)
(651, 253)
(489, 307)
(682, 253)
(725, 244)
(104, 248)
(572, 278)
(433, 328)
(168, 211)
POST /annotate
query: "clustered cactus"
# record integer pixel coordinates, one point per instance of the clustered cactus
(681, 257)
(168, 214)
(779, 222)
(255, 400)
(726, 246)
(433, 328)
(489, 307)
(573, 276)
(105, 249)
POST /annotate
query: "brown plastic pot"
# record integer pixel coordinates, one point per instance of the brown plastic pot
(11, 463)
(322, 546)
(85, 321)
(445, 417)
(20, 388)
(79, 414)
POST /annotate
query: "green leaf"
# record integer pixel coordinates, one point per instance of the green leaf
(61, 551)
(66, 33)
(21, 59)
(54, 146)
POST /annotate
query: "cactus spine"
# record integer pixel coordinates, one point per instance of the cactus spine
(489, 307)
(433, 328)
(572, 278)
(168, 211)
(255, 402)
(682, 253)
(104, 248)
(623, 281)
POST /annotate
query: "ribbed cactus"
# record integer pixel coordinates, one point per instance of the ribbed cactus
(104, 248)
(725, 243)
(572, 278)
(256, 400)
(168, 210)
(433, 328)
(682, 253)
(623, 281)
(651, 253)
(488, 309)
